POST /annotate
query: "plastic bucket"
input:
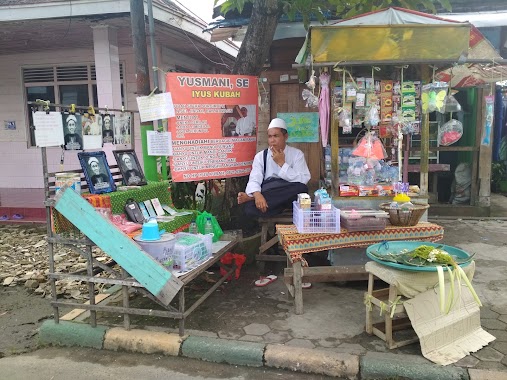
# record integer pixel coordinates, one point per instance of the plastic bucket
(73, 180)
(161, 250)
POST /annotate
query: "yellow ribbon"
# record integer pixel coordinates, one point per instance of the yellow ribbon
(391, 307)
(367, 301)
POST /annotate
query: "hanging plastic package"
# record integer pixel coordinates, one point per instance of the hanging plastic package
(451, 104)
(345, 120)
(370, 146)
(372, 118)
(311, 100)
(433, 96)
(450, 132)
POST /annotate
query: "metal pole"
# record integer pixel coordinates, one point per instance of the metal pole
(142, 79)
(154, 61)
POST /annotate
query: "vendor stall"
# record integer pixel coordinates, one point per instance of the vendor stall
(113, 209)
(394, 107)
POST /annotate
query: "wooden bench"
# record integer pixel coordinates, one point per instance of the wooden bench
(51, 179)
(268, 226)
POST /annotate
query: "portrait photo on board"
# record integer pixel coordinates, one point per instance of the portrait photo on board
(73, 133)
(107, 129)
(122, 130)
(239, 120)
(96, 171)
(92, 131)
(129, 167)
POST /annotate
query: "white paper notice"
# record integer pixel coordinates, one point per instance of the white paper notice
(48, 128)
(159, 143)
(155, 107)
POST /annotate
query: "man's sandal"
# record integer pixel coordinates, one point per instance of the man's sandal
(263, 281)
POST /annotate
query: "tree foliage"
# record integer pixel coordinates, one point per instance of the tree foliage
(317, 9)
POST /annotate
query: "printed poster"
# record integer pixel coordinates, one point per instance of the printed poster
(214, 131)
(302, 126)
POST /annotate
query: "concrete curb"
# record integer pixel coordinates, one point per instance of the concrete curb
(71, 334)
(312, 361)
(378, 365)
(372, 365)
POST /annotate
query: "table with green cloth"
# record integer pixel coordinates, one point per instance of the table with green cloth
(117, 200)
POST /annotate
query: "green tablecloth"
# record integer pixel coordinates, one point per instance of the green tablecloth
(152, 190)
(160, 190)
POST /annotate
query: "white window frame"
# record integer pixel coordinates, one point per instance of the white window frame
(56, 87)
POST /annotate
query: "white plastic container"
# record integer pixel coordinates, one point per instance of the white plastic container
(161, 250)
(315, 221)
(191, 250)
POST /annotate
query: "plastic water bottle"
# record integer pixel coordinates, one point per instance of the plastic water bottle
(192, 229)
(208, 227)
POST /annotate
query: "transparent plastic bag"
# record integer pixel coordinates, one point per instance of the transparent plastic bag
(450, 132)
(311, 100)
(345, 120)
(451, 104)
(370, 146)
(433, 96)
(372, 118)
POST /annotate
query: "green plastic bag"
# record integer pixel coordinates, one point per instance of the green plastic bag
(201, 221)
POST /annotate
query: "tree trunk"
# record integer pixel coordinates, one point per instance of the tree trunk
(250, 60)
(258, 38)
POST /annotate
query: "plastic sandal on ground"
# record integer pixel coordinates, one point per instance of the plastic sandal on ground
(306, 285)
(4, 217)
(263, 281)
(17, 216)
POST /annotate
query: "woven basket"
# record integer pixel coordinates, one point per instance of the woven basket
(399, 217)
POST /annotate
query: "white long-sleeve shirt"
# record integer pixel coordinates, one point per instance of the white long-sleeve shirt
(245, 126)
(293, 170)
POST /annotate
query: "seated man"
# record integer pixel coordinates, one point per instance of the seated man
(278, 175)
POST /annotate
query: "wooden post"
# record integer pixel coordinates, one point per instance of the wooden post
(334, 155)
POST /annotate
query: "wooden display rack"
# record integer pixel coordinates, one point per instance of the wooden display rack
(399, 320)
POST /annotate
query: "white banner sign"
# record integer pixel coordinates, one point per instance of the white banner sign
(155, 107)
(48, 128)
(159, 143)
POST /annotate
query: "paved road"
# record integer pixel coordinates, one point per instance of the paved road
(84, 364)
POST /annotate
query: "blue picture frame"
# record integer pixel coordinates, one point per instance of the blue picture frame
(96, 172)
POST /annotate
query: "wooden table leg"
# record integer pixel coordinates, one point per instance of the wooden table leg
(298, 289)
(369, 321)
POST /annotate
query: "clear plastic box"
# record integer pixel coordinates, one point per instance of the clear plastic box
(191, 250)
(364, 223)
(316, 221)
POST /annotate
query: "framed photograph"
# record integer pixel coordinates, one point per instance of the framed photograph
(96, 171)
(129, 167)
(73, 132)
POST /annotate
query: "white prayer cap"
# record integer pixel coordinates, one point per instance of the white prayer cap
(125, 157)
(277, 123)
(71, 117)
(92, 159)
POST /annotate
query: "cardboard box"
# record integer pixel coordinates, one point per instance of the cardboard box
(98, 200)
(348, 191)
(368, 191)
(386, 86)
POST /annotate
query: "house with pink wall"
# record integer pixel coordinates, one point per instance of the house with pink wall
(81, 52)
